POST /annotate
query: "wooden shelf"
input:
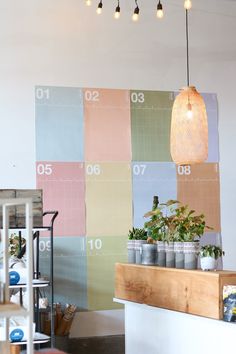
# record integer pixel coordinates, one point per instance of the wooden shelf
(191, 291)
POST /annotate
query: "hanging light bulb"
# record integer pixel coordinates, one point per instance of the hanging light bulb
(88, 2)
(99, 8)
(117, 11)
(135, 16)
(187, 4)
(189, 127)
(160, 12)
(189, 111)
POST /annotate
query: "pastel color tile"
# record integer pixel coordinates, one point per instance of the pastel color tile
(101, 269)
(199, 187)
(150, 125)
(107, 125)
(59, 124)
(213, 238)
(149, 179)
(210, 100)
(63, 185)
(70, 269)
(108, 199)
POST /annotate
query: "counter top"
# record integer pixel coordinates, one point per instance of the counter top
(195, 292)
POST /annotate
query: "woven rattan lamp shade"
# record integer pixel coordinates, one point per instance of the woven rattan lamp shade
(189, 132)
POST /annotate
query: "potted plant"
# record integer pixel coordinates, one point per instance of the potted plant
(149, 252)
(160, 229)
(136, 236)
(209, 254)
(140, 239)
(189, 229)
(181, 229)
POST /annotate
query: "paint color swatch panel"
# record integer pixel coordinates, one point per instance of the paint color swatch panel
(101, 156)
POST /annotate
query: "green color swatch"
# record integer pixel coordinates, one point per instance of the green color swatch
(150, 125)
(102, 254)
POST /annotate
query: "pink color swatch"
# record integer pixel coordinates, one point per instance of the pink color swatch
(63, 185)
(107, 125)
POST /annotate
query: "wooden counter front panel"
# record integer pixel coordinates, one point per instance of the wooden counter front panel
(194, 292)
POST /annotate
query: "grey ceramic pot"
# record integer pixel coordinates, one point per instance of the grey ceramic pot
(179, 254)
(170, 255)
(191, 255)
(161, 254)
(131, 251)
(138, 250)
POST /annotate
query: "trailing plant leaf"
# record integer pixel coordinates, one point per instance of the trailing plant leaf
(211, 251)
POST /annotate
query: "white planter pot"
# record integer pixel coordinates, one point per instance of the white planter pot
(208, 263)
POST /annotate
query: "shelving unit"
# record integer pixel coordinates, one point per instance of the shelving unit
(12, 309)
(8, 310)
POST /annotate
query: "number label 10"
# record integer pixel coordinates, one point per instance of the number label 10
(95, 244)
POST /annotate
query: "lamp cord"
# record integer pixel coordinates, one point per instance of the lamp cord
(186, 27)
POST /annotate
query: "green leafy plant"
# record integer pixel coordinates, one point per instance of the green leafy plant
(137, 234)
(211, 251)
(161, 224)
(14, 244)
(172, 221)
(189, 226)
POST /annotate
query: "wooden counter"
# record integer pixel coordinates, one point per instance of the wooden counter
(191, 291)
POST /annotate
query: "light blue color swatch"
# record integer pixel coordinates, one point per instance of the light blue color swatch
(149, 179)
(70, 270)
(59, 124)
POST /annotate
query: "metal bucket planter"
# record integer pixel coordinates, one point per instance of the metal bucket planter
(149, 252)
(131, 251)
(179, 254)
(138, 250)
(190, 255)
(170, 255)
(161, 254)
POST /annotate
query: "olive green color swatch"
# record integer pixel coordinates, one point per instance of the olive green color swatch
(150, 125)
(102, 254)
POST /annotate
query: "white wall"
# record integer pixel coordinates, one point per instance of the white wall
(64, 43)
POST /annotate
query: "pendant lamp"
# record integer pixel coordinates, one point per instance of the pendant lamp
(189, 127)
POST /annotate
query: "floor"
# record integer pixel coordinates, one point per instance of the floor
(96, 345)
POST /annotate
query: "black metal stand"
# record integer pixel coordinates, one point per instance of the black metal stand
(36, 235)
(54, 215)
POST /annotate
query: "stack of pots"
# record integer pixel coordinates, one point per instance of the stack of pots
(181, 255)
